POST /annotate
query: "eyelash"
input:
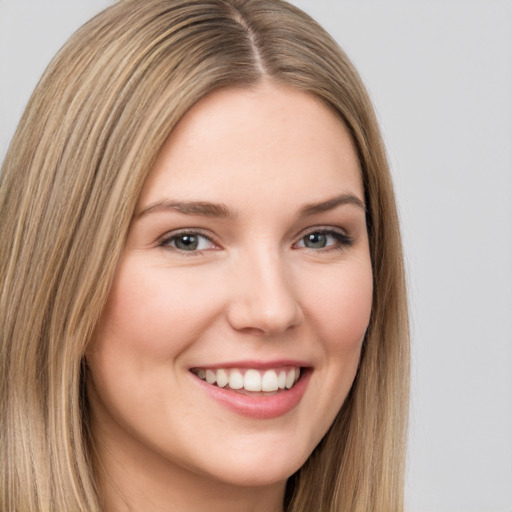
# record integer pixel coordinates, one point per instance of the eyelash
(342, 240)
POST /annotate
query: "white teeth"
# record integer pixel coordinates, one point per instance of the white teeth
(290, 379)
(210, 376)
(269, 381)
(236, 380)
(222, 378)
(251, 379)
(281, 380)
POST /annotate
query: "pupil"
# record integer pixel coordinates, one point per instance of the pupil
(315, 240)
(187, 242)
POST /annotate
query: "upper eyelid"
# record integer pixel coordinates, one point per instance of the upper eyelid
(322, 229)
(186, 231)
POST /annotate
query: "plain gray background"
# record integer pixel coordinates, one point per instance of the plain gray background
(440, 75)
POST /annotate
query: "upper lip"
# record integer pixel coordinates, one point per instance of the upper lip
(255, 364)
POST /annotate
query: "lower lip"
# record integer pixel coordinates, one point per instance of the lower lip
(258, 406)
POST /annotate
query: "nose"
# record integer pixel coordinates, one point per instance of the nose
(263, 297)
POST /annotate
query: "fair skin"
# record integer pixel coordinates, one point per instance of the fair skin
(248, 259)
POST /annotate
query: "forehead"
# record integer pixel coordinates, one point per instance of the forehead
(257, 142)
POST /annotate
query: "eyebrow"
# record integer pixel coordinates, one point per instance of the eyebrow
(199, 208)
(220, 210)
(330, 204)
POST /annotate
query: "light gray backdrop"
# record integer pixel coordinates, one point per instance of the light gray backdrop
(440, 74)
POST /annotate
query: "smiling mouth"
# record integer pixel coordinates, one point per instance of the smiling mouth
(248, 380)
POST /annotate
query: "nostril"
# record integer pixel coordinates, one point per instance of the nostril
(252, 331)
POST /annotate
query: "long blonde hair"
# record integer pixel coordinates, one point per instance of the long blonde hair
(69, 185)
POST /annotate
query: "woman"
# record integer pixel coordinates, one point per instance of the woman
(202, 286)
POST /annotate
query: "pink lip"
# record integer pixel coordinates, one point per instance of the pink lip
(258, 406)
(257, 365)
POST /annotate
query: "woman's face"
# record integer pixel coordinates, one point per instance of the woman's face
(246, 265)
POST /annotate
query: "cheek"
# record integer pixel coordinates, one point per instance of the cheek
(151, 318)
(153, 311)
(341, 306)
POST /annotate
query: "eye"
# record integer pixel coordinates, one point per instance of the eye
(324, 239)
(188, 241)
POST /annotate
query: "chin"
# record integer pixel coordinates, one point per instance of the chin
(258, 467)
(257, 475)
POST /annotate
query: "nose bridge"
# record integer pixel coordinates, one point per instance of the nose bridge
(264, 299)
